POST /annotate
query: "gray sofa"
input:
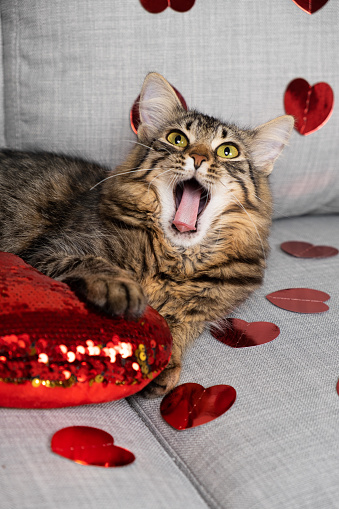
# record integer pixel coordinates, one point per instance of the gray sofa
(70, 72)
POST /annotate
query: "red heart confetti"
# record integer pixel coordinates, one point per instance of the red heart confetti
(157, 6)
(51, 341)
(311, 106)
(310, 6)
(134, 114)
(338, 387)
(300, 300)
(307, 250)
(240, 334)
(90, 446)
(190, 404)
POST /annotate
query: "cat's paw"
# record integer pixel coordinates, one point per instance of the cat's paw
(114, 295)
(163, 383)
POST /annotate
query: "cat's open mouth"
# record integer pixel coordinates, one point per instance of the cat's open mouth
(191, 199)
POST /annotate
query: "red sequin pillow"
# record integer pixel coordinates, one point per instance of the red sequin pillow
(56, 352)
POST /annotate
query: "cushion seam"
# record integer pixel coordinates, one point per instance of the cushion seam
(175, 457)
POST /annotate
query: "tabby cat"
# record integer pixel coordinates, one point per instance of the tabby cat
(181, 225)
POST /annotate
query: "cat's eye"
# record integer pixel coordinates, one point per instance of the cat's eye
(227, 151)
(178, 139)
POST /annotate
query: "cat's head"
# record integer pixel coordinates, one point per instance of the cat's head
(203, 169)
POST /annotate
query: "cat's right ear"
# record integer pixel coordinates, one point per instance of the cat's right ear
(158, 106)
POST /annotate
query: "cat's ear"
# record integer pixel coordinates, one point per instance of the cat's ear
(159, 104)
(268, 141)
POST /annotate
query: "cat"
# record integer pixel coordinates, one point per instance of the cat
(181, 225)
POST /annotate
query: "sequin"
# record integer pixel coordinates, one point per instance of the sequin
(43, 358)
(71, 356)
(125, 349)
(93, 350)
(111, 353)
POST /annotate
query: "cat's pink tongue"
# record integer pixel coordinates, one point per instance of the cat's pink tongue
(186, 216)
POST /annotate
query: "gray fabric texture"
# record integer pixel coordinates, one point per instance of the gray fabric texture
(73, 70)
(32, 477)
(276, 448)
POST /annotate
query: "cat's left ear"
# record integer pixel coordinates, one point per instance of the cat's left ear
(158, 106)
(268, 140)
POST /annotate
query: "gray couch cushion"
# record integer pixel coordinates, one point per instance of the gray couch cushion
(276, 448)
(32, 477)
(73, 70)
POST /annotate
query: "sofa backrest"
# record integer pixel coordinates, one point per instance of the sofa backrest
(72, 70)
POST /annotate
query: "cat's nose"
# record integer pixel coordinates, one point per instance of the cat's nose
(198, 159)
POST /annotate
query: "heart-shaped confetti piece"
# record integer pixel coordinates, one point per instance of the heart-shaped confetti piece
(338, 387)
(134, 113)
(190, 404)
(307, 250)
(90, 446)
(300, 300)
(311, 106)
(240, 334)
(157, 6)
(310, 6)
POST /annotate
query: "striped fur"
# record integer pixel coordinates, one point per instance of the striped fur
(109, 234)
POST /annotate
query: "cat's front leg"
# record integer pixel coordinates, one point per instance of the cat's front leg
(97, 281)
(183, 335)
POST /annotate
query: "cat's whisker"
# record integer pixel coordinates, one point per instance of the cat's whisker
(141, 144)
(116, 175)
(278, 209)
(173, 181)
(165, 148)
(133, 170)
(160, 174)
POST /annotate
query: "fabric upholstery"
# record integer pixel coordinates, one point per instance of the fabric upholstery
(277, 447)
(73, 70)
(31, 476)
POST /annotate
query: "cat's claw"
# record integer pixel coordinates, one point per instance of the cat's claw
(163, 383)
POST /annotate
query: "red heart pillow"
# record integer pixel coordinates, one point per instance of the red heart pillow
(55, 351)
